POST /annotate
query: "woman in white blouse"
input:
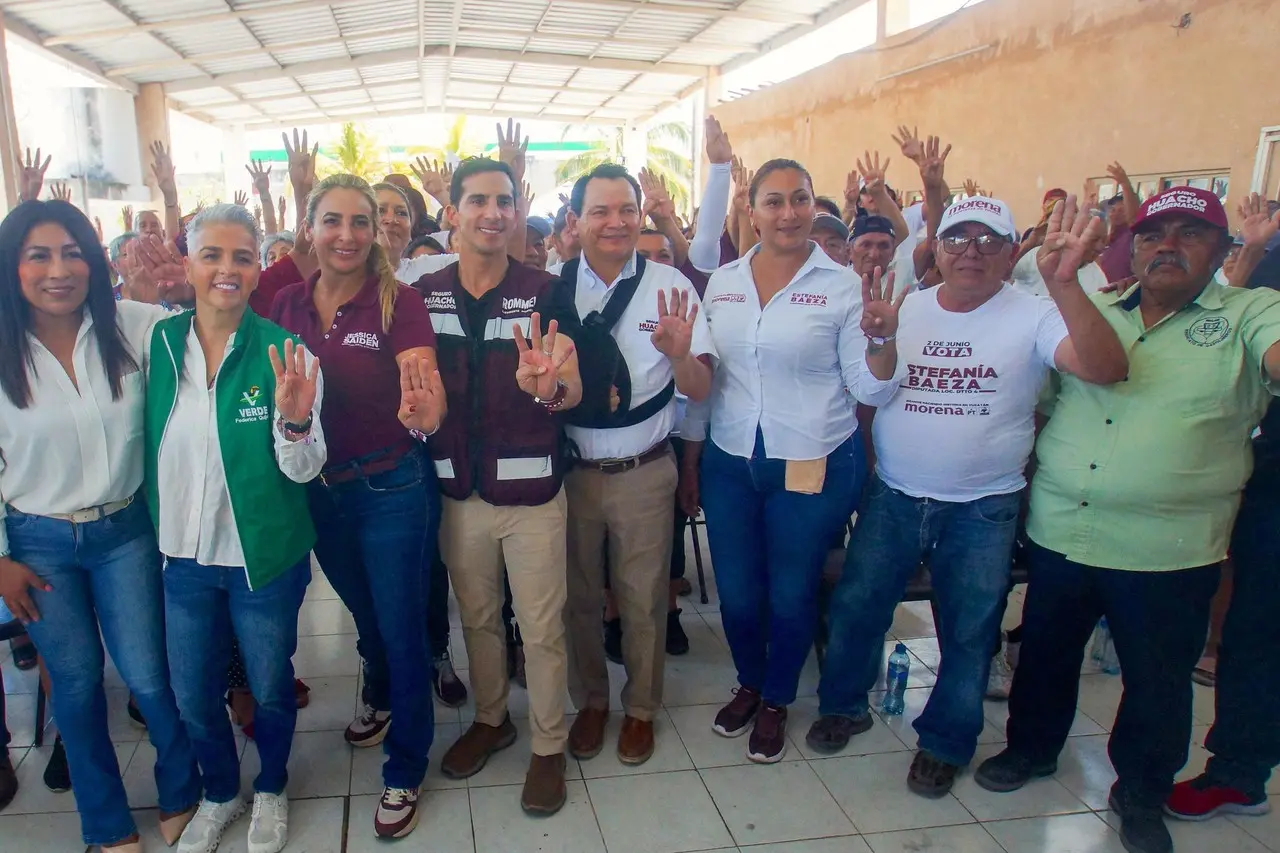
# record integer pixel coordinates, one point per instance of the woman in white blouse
(233, 435)
(783, 468)
(78, 556)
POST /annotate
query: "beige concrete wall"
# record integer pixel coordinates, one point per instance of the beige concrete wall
(1068, 86)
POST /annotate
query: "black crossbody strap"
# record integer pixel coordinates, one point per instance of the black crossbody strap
(624, 292)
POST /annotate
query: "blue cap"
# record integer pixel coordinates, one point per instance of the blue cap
(541, 224)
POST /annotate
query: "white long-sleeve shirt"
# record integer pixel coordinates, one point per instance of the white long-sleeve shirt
(198, 523)
(71, 449)
(785, 367)
(704, 249)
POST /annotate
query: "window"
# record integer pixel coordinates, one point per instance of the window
(1215, 180)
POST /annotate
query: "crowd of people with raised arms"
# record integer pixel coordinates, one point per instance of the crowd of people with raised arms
(529, 411)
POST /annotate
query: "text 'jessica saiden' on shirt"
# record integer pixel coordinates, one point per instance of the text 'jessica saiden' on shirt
(962, 423)
(785, 367)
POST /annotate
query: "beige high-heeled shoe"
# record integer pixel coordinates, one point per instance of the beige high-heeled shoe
(171, 827)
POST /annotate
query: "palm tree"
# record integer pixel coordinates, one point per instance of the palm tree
(458, 145)
(355, 153)
(666, 157)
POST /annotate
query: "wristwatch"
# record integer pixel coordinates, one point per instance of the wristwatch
(296, 432)
(880, 341)
(556, 400)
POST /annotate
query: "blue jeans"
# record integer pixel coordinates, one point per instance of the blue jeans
(105, 576)
(373, 534)
(769, 546)
(204, 607)
(1245, 738)
(1158, 622)
(970, 551)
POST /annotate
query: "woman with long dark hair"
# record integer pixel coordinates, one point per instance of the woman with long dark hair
(78, 555)
(376, 506)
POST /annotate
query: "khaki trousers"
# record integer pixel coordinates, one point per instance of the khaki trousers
(476, 540)
(630, 515)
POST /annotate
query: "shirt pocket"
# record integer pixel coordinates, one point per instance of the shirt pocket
(1202, 380)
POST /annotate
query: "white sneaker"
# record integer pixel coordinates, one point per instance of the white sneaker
(211, 820)
(269, 826)
(1000, 681)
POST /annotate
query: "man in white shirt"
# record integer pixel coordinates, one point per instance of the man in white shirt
(623, 486)
(951, 446)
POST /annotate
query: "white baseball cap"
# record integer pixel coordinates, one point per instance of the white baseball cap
(990, 212)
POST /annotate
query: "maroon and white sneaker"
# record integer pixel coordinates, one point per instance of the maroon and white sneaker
(368, 729)
(397, 813)
(1201, 798)
(734, 719)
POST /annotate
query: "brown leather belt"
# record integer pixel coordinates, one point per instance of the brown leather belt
(619, 466)
(378, 462)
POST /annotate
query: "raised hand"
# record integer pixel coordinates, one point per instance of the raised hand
(1257, 227)
(163, 169)
(16, 583)
(657, 200)
(31, 175)
(736, 170)
(160, 259)
(60, 191)
(527, 195)
(261, 177)
(1119, 175)
(257, 214)
(241, 199)
(971, 188)
(284, 206)
(879, 307)
(933, 163)
(512, 148)
(430, 175)
(1071, 237)
(1089, 199)
(872, 172)
(97, 227)
(674, 335)
(538, 370)
(126, 217)
(718, 148)
(908, 139)
(742, 191)
(852, 189)
(302, 162)
(295, 385)
(422, 400)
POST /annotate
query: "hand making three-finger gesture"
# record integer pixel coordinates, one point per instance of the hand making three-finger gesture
(422, 400)
(674, 335)
(538, 370)
(1072, 236)
(295, 385)
(879, 307)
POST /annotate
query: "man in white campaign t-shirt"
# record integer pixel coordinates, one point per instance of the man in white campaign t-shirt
(951, 446)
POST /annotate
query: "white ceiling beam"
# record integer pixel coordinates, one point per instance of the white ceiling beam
(756, 14)
(679, 96)
(454, 27)
(840, 9)
(81, 63)
(335, 116)
(565, 60)
(637, 40)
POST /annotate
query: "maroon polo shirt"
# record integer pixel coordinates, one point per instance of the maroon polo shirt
(1115, 260)
(271, 281)
(361, 377)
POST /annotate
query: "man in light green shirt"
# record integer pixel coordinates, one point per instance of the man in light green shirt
(1132, 505)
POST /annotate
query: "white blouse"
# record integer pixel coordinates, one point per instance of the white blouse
(72, 449)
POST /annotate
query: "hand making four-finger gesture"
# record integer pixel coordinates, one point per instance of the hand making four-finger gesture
(674, 335)
(31, 175)
(933, 162)
(422, 400)
(1072, 237)
(908, 139)
(302, 162)
(261, 177)
(1257, 226)
(512, 147)
(538, 370)
(879, 307)
(60, 191)
(872, 172)
(295, 385)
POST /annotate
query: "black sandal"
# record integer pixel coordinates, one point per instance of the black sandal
(24, 655)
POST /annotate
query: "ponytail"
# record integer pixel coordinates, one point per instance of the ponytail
(388, 285)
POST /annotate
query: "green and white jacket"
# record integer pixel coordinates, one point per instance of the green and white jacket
(224, 486)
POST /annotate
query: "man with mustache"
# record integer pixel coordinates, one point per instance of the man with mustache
(1132, 508)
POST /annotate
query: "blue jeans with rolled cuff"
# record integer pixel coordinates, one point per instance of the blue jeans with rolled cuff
(106, 586)
(769, 546)
(205, 607)
(970, 550)
(373, 535)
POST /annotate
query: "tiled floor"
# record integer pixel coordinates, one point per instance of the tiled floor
(697, 793)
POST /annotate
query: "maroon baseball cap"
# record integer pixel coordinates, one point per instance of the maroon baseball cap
(1056, 192)
(1182, 201)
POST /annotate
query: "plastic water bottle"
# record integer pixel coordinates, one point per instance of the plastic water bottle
(896, 680)
(1101, 639)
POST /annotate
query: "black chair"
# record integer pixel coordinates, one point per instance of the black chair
(8, 631)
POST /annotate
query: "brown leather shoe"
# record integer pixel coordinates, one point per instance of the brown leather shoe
(471, 752)
(544, 789)
(635, 741)
(586, 737)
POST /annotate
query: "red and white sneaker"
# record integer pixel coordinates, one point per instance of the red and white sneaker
(397, 813)
(1200, 799)
(368, 729)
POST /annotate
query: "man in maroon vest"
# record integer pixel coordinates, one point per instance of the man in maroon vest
(503, 333)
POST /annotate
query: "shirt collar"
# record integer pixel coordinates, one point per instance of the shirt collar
(366, 296)
(1210, 298)
(817, 259)
(628, 270)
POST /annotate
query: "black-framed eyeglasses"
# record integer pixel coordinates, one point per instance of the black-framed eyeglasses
(988, 244)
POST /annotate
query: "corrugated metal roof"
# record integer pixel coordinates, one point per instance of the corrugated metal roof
(529, 55)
